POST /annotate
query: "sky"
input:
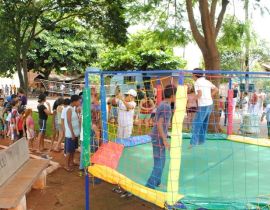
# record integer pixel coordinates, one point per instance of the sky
(260, 24)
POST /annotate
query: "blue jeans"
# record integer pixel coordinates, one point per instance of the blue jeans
(159, 154)
(200, 125)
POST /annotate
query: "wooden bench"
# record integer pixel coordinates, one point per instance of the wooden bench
(19, 174)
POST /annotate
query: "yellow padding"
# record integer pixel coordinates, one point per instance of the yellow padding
(248, 140)
(114, 177)
(176, 146)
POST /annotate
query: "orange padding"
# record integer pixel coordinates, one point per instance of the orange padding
(114, 177)
(108, 155)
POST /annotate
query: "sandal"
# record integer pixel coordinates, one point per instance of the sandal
(68, 169)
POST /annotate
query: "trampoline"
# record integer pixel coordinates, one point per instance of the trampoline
(220, 174)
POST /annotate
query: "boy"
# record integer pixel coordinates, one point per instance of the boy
(267, 114)
(43, 113)
(159, 136)
(126, 113)
(72, 131)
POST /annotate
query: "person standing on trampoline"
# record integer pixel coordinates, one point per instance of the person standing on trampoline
(126, 107)
(159, 136)
(204, 90)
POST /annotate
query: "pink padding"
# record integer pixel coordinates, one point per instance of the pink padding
(108, 155)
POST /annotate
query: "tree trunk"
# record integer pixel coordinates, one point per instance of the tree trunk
(212, 62)
(25, 72)
(19, 70)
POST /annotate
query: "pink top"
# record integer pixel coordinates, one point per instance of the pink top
(30, 122)
(191, 100)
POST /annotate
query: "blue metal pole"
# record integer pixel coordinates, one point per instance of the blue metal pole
(87, 191)
(103, 109)
(181, 78)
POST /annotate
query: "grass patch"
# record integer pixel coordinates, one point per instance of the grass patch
(49, 130)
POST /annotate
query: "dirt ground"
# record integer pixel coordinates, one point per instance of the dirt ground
(65, 191)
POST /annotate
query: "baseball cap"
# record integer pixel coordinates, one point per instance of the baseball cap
(132, 92)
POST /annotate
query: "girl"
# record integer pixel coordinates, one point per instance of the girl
(30, 128)
(58, 126)
(191, 106)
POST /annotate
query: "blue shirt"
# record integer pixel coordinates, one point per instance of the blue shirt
(163, 111)
(267, 112)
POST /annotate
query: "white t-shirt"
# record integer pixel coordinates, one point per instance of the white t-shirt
(74, 121)
(205, 86)
(63, 114)
(125, 117)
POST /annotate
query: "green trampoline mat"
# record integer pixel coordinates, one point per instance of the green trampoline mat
(219, 171)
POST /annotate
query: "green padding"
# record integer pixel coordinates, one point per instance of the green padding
(209, 136)
(86, 126)
(217, 175)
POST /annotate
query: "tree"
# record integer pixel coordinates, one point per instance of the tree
(22, 21)
(69, 45)
(141, 52)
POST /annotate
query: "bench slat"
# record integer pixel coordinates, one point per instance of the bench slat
(17, 186)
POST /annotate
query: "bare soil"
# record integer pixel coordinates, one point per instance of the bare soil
(65, 191)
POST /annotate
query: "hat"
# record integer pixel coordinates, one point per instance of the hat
(42, 97)
(132, 93)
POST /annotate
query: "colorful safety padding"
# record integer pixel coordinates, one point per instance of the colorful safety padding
(114, 177)
(134, 140)
(172, 195)
(108, 155)
(249, 140)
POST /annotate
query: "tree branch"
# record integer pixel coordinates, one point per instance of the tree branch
(221, 15)
(208, 28)
(213, 11)
(194, 28)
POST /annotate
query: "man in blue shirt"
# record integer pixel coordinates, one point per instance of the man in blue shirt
(159, 136)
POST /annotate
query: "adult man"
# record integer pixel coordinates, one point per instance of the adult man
(204, 90)
(72, 131)
(159, 136)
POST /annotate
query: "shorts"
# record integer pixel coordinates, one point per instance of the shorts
(58, 127)
(144, 116)
(30, 134)
(42, 126)
(191, 109)
(71, 145)
(20, 134)
(2, 128)
(153, 114)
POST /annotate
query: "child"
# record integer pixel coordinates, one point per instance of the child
(267, 114)
(21, 123)
(2, 121)
(126, 113)
(192, 106)
(58, 125)
(43, 113)
(30, 128)
(146, 107)
(72, 132)
(159, 136)
(13, 121)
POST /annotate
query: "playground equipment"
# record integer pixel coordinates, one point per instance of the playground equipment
(227, 172)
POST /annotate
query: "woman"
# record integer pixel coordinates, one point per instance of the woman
(191, 106)
(146, 107)
(43, 113)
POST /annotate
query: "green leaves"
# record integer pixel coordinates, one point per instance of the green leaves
(141, 52)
